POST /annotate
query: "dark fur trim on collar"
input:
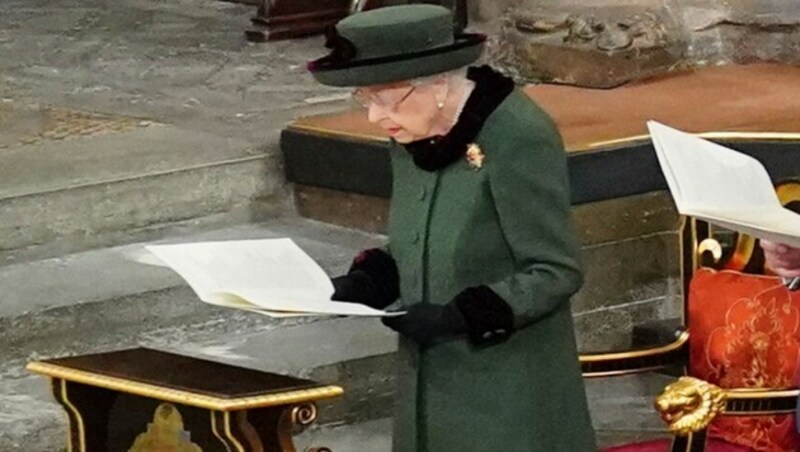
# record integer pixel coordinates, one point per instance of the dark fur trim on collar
(491, 89)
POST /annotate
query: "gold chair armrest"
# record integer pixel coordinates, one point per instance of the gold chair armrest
(690, 404)
(635, 361)
(760, 402)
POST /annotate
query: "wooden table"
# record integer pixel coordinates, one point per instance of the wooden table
(149, 400)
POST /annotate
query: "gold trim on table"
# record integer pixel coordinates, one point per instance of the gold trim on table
(183, 397)
(307, 124)
(731, 136)
(63, 396)
(302, 126)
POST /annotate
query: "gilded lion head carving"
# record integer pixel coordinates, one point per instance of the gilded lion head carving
(689, 405)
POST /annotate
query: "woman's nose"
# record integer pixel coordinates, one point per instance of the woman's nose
(375, 113)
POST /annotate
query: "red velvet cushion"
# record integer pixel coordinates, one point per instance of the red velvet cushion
(745, 332)
(663, 445)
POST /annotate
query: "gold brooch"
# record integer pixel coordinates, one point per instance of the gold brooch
(475, 156)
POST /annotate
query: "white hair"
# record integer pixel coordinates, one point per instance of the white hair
(455, 74)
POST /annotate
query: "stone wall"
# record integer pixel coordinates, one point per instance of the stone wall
(614, 41)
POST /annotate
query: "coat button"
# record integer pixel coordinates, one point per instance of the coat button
(423, 193)
(415, 238)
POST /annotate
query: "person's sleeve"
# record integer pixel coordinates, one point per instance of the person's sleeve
(529, 184)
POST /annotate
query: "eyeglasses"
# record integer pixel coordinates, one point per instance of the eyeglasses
(381, 99)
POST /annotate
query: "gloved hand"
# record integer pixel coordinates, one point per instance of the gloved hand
(490, 320)
(372, 280)
(477, 311)
(424, 322)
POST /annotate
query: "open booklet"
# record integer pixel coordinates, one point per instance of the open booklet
(270, 276)
(722, 186)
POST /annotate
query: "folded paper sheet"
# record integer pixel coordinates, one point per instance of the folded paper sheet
(271, 276)
(722, 186)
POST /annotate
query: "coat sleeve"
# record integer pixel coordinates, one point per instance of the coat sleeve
(529, 185)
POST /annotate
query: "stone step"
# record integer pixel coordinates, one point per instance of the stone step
(77, 188)
(139, 114)
(104, 299)
(51, 302)
(621, 408)
(373, 436)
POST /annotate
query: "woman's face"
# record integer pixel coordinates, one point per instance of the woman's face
(406, 112)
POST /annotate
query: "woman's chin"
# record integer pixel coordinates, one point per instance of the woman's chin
(403, 138)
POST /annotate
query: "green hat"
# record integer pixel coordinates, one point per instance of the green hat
(393, 44)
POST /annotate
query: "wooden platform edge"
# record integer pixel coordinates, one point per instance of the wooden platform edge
(616, 170)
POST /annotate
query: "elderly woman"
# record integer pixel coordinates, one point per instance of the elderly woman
(480, 254)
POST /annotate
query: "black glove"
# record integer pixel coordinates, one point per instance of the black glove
(490, 320)
(372, 280)
(424, 322)
(477, 311)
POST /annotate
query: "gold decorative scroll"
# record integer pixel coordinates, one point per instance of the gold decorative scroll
(304, 415)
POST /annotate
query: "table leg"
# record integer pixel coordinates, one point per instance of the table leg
(88, 410)
(264, 429)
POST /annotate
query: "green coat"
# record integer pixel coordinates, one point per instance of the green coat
(505, 225)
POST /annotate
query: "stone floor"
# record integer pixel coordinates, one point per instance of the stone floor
(180, 62)
(118, 96)
(96, 95)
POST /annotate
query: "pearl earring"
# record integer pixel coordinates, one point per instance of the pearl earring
(440, 104)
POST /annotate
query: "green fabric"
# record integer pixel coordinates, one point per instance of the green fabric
(413, 41)
(507, 226)
(377, 33)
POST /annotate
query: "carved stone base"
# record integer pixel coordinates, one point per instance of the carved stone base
(555, 63)
(598, 49)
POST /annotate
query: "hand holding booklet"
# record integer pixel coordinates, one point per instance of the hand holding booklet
(722, 186)
(271, 276)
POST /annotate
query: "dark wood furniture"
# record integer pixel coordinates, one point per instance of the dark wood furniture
(285, 19)
(146, 400)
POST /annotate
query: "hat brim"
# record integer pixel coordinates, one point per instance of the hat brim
(466, 50)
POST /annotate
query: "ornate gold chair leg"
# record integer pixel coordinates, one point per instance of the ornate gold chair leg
(695, 442)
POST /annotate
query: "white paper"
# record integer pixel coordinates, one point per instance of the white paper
(722, 186)
(271, 276)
